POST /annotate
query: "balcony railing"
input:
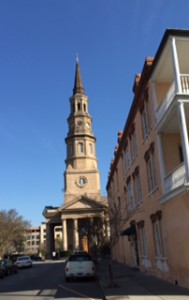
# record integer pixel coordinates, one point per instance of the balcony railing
(175, 179)
(184, 78)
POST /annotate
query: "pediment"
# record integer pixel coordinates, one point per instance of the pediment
(82, 203)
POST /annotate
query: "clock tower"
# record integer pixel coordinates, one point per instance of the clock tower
(81, 176)
(83, 203)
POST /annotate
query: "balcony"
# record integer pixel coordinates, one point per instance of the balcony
(168, 99)
(170, 76)
(169, 86)
(174, 180)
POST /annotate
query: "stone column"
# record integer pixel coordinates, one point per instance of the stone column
(49, 240)
(64, 235)
(76, 234)
(176, 65)
(184, 135)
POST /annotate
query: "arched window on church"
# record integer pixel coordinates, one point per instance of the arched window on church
(79, 106)
(84, 107)
(90, 148)
(81, 147)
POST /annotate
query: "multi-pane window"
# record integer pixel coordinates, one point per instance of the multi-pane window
(133, 141)
(158, 238)
(127, 159)
(137, 186)
(142, 239)
(150, 165)
(157, 227)
(144, 124)
(145, 115)
(130, 196)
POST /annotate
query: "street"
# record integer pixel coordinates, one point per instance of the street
(45, 280)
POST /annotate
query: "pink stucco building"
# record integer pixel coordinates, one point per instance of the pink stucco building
(148, 184)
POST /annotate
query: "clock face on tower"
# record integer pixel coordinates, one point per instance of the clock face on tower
(81, 181)
(79, 123)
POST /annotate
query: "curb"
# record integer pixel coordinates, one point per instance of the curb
(102, 289)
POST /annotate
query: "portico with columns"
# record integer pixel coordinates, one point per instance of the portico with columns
(82, 192)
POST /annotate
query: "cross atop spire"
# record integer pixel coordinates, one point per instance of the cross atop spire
(78, 86)
(77, 58)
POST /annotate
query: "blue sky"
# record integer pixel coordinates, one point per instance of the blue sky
(38, 43)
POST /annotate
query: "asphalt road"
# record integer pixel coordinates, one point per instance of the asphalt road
(44, 281)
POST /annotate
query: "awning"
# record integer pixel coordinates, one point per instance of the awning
(129, 231)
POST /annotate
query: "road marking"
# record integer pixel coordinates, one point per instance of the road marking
(75, 292)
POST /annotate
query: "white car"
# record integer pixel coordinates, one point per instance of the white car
(24, 262)
(80, 266)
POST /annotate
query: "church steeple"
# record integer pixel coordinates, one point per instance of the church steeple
(82, 175)
(78, 86)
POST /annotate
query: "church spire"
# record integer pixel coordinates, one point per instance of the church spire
(78, 86)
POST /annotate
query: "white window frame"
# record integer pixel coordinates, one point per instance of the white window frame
(144, 124)
(134, 149)
(151, 172)
(146, 119)
(158, 239)
(143, 241)
(131, 203)
(138, 191)
(127, 159)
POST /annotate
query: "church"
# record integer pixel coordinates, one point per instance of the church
(84, 213)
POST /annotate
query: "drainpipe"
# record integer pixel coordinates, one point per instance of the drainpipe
(176, 66)
(184, 135)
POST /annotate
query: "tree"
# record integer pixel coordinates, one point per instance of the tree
(12, 229)
(58, 245)
(42, 250)
(118, 218)
(96, 230)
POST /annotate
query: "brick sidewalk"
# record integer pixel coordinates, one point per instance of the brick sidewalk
(133, 284)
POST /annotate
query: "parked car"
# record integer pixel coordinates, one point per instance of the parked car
(36, 258)
(2, 272)
(78, 252)
(8, 266)
(24, 262)
(79, 266)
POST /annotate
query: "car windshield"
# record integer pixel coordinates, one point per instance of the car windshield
(23, 258)
(80, 258)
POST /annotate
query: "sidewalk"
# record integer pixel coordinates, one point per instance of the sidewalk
(135, 285)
